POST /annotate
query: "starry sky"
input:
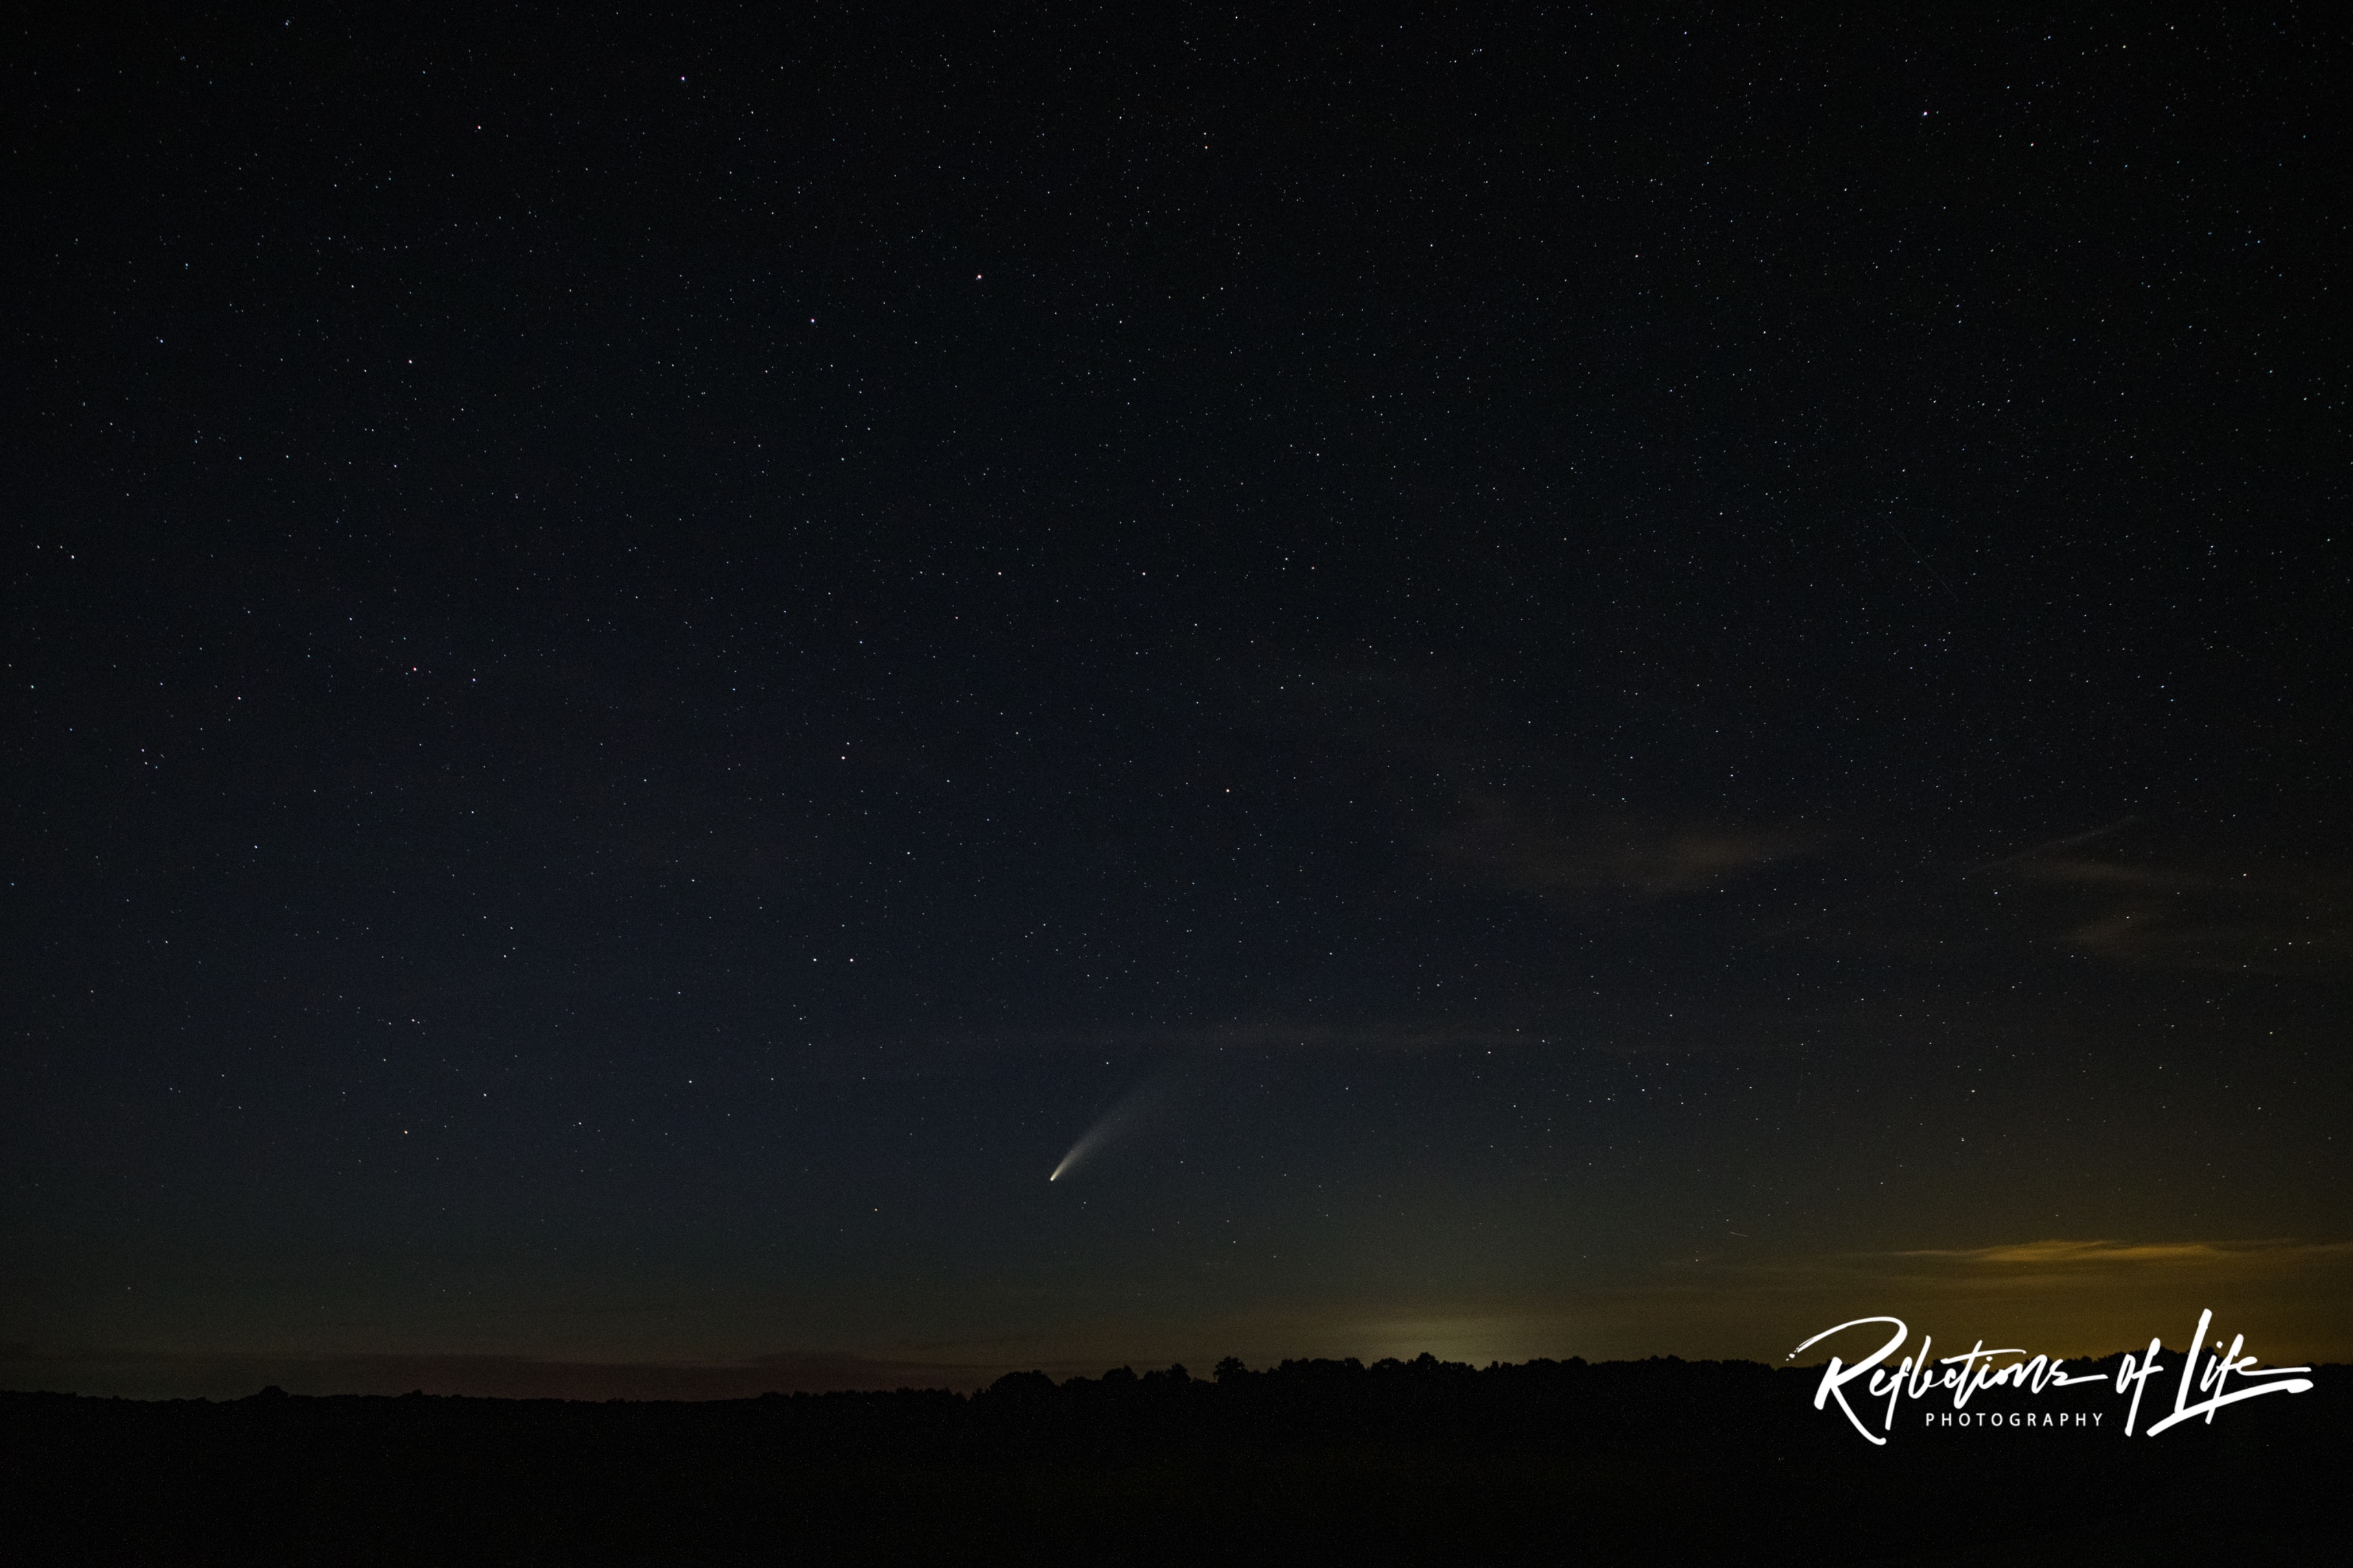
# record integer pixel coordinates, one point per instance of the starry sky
(1553, 684)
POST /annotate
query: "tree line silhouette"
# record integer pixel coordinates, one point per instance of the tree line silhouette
(1307, 1460)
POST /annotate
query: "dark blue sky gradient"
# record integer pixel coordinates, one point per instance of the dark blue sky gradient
(1672, 675)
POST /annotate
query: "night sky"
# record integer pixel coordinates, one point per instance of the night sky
(1560, 686)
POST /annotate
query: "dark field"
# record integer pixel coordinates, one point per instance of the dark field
(1647, 1461)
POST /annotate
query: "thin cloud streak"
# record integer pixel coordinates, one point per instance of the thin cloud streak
(2043, 1253)
(2071, 841)
(1504, 846)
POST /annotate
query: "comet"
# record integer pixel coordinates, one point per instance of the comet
(1093, 1139)
(1133, 1109)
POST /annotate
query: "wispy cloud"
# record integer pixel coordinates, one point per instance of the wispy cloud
(2221, 934)
(2038, 852)
(2057, 1252)
(2044, 1252)
(1505, 847)
(2140, 902)
(2080, 872)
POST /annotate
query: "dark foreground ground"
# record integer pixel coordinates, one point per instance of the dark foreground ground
(1659, 1461)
